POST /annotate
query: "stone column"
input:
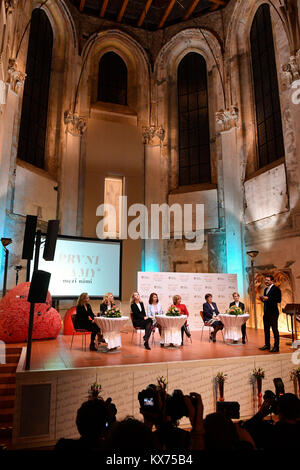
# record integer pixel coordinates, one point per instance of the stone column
(70, 168)
(155, 183)
(233, 193)
(291, 129)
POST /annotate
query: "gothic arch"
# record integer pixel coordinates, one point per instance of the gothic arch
(165, 73)
(137, 64)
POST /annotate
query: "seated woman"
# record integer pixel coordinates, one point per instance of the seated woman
(154, 308)
(139, 317)
(236, 302)
(210, 311)
(183, 311)
(107, 304)
(85, 318)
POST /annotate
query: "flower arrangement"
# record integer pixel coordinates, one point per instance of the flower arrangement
(295, 374)
(234, 310)
(221, 377)
(95, 391)
(162, 382)
(173, 311)
(258, 373)
(115, 312)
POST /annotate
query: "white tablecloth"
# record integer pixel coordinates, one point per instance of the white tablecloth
(111, 328)
(232, 325)
(170, 328)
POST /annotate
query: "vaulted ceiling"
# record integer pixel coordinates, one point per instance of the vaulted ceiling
(148, 14)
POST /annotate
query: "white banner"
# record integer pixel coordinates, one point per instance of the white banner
(192, 288)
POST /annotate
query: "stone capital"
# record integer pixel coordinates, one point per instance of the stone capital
(291, 70)
(226, 119)
(16, 78)
(153, 134)
(10, 5)
(75, 125)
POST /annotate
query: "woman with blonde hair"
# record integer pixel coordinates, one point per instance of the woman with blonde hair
(184, 311)
(139, 317)
(85, 318)
(107, 304)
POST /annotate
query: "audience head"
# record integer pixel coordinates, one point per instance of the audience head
(289, 407)
(92, 418)
(220, 432)
(153, 298)
(130, 434)
(208, 297)
(176, 299)
(83, 298)
(135, 297)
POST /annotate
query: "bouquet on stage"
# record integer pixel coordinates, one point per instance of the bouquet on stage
(234, 310)
(173, 311)
(115, 312)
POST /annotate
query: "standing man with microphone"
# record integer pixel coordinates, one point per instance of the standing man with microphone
(271, 299)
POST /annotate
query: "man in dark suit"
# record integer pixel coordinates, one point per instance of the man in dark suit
(236, 301)
(271, 299)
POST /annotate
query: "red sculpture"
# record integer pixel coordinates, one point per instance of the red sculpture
(14, 317)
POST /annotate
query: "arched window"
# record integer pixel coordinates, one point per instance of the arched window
(268, 113)
(112, 82)
(32, 136)
(193, 121)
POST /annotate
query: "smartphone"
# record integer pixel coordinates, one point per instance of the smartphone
(149, 401)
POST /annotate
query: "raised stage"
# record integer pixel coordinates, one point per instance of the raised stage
(48, 396)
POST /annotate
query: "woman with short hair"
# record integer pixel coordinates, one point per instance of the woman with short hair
(210, 311)
(184, 311)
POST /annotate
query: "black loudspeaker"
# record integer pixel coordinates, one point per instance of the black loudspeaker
(50, 244)
(231, 409)
(29, 236)
(39, 287)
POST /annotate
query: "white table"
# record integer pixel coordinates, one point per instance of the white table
(170, 328)
(111, 330)
(232, 325)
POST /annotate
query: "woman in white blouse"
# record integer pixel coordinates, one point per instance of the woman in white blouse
(154, 308)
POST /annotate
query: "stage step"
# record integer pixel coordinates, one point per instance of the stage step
(7, 402)
(9, 367)
(6, 416)
(12, 358)
(7, 389)
(8, 378)
(13, 350)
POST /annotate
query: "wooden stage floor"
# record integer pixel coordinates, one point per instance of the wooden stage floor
(56, 354)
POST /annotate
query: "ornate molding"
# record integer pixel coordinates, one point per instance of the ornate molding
(16, 78)
(291, 70)
(150, 133)
(10, 5)
(227, 119)
(75, 125)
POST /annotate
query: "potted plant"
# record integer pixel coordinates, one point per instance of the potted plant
(259, 374)
(295, 377)
(94, 391)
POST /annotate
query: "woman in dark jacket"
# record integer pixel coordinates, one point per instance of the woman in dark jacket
(85, 318)
(139, 317)
(210, 312)
(107, 304)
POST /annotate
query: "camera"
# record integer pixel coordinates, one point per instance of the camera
(148, 398)
(176, 407)
(274, 397)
